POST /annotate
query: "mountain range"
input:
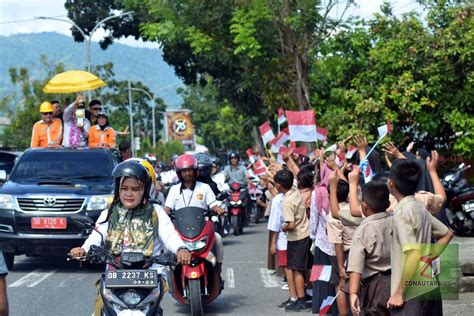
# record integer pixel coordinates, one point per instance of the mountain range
(130, 63)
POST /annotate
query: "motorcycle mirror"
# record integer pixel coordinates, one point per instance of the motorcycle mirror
(222, 196)
(86, 222)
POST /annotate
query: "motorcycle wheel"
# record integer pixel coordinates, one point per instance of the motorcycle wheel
(242, 224)
(255, 212)
(235, 225)
(195, 299)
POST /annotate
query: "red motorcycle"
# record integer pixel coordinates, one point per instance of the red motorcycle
(197, 284)
(237, 207)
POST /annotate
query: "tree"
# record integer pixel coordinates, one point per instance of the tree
(165, 151)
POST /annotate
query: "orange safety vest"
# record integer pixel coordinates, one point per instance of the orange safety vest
(47, 135)
(99, 138)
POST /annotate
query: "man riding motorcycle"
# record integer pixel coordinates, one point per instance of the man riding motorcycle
(191, 192)
(235, 172)
(204, 171)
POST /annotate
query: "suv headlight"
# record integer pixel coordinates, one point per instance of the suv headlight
(6, 201)
(99, 202)
(196, 245)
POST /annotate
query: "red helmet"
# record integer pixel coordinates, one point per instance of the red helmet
(185, 162)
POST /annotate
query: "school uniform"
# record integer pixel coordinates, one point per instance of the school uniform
(275, 221)
(298, 238)
(413, 228)
(370, 256)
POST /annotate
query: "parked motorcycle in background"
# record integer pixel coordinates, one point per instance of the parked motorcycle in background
(460, 201)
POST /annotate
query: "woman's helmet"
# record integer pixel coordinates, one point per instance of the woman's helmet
(149, 168)
(132, 169)
(233, 154)
(204, 165)
(185, 161)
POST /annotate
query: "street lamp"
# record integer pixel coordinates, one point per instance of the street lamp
(83, 33)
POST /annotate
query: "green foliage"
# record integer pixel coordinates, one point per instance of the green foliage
(164, 151)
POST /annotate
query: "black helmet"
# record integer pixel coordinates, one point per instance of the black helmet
(216, 161)
(233, 154)
(204, 165)
(130, 168)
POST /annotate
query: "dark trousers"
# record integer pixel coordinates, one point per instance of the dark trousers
(429, 304)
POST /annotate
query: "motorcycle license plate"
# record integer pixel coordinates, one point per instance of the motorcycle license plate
(49, 223)
(131, 278)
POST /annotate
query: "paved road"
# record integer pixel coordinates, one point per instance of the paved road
(40, 286)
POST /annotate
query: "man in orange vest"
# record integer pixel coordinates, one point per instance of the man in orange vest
(48, 132)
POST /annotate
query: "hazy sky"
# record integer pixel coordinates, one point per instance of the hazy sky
(20, 13)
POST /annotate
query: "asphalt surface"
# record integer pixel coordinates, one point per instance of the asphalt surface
(53, 286)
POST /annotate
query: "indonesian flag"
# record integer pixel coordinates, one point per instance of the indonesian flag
(259, 168)
(302, 125)
(366, 170)
(351, 151)
(326, 305)
(301, 151)
(292, 145)
(321, 133)
(385, 129)
(280, 140)
(320, 273)
(282, 151)
(251, 156)
(281, 116)
(266, 132)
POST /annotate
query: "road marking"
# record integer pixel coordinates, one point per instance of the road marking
(269, 280)
(72, 279)
(230, 278)
(33, 278)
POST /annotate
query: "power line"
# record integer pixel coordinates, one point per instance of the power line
(28, 20)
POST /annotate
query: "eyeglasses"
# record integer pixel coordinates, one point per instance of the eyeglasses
(96, 109)
(47, 113)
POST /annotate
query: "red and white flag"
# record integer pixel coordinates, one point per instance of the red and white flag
(251, 156)
(281, 116)
(280, 140)
(320, 273)
(385, 129)
(326, 305)
(259, 168)
(301, 151)
(266, 132)
(302, 125)
(321, 133)
(351, 151)
(292, 145)
(282, 151)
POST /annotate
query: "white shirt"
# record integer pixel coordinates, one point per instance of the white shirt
(219, 179)
(167, 238)
(179, 197)
(168, 176)
(276, 219)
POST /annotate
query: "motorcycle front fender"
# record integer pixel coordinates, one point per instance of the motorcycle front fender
(235, 211)
(196, 272)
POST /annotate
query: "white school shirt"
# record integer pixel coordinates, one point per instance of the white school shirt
(201, 196)
(276, 219)
(167, 237)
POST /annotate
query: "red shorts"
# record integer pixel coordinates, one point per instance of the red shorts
(282, 258)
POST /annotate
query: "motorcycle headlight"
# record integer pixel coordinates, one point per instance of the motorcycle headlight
(131, 298)
(196, 245)
(6, 201)
(99, 202)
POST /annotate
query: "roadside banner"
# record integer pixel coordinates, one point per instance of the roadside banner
(180, 127)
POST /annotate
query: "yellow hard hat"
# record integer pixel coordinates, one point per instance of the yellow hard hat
(46, 107)
(148, 167)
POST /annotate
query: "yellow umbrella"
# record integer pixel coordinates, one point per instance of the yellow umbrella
(73, 81)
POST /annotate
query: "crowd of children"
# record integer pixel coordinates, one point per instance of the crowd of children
(347, 242)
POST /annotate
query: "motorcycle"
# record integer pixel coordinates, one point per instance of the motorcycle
(220, 221)
(129, 286)
(255, 192)
(197, 284)
(237, 207)
(460, 201)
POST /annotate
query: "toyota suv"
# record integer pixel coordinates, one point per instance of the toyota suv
(45, 188)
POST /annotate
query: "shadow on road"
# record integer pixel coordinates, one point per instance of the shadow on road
(221, 306)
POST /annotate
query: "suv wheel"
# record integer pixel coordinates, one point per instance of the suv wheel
(9, 260)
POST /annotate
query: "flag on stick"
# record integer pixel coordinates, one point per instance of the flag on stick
(280, 140)
(281, 116)
(251, 156)
(282, 151)
(321, 133)
(302, 125)
(320, 273)
(326, 304)
(266, 132)
(385, 129)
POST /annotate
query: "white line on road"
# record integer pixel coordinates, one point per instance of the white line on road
(72, 279)
(268, 279)
(33, 278)
(230, 278)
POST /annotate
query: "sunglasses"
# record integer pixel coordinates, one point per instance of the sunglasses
(97, 109)
(47, 113)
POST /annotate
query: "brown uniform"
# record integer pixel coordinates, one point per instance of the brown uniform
(370, 256)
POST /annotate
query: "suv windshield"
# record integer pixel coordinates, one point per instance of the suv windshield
(63, 165)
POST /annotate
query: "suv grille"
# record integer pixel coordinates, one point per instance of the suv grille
(59, 204)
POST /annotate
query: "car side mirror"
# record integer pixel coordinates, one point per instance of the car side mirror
(3, 176)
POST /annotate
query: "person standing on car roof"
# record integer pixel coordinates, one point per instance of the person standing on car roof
(102, 134)
(47, 132)
(76, 129)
